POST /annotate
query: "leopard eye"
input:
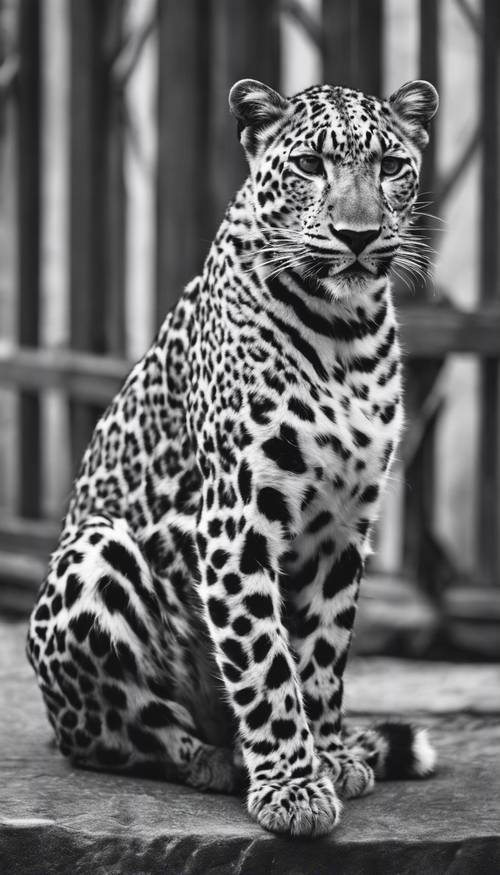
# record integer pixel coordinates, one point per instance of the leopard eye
(310, 164)
(390, 165)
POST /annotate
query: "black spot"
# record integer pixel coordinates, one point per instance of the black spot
(93, 724)
(82, 739)
(278, 673)
(242, 625)
(313, 706)
(347, 569)
(69, 719)
(215, 527)
(254, 557)
(305, 626)
(122, 561)
(116, 599)
(362, 526)
(259, 605)
(284, 728)
(234, 652)
(74, 587)
(56, 605)
(261, 647)
(341, 663)
(244, 696)
(387, 414)
(306, 672)
(259, 715)
(233, 674)
(301, 772)
(305, 575)
(157, 714)
(42, 613)
(114, 695)
(219, 558)
(245, 482)
(144, 741)
(232, 584)
(272, 504)
(82, 660)
(369, 494)
(264, 747)
(218, 611)
(201, 541)
(82, 624)
(324, 653)
(319, 522)
(335, 700)
(360, 438)
(285, 451)
(346, 618)
(301, 409)
(112, 666)
(113, 720)
(100, 642)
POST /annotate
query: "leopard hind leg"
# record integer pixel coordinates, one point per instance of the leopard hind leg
(108, 663)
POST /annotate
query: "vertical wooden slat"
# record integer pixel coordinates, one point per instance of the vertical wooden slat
(489, 435)
(183, 88)
(113, 125)
(421, 374)
(97, 196)
(245, 43)
(28, 192)
(353, 44)
(429, 69)
(86, 312)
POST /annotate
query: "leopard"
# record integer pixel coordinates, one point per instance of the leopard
(196, 617)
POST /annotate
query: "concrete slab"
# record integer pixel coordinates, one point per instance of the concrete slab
(57, 819)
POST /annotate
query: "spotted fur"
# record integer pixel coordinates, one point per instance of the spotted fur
(196, 617)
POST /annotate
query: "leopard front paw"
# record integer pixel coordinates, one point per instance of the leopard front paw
(352, 777)
(308, 807)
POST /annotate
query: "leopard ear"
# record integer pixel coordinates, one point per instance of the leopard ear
(416, 103)
(256, 105)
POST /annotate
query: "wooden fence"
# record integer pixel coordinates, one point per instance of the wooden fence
(199, 48)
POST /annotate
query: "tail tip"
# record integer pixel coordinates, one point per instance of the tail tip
(424, 755)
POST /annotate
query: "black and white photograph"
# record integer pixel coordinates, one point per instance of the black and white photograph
(250, 437)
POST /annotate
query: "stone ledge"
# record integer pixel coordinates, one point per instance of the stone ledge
(57, 819)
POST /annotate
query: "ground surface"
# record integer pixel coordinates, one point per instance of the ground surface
(56, 820)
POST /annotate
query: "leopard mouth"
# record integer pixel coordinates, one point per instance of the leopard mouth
(356, 270)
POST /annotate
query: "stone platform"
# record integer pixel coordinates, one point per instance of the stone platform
(56, 820)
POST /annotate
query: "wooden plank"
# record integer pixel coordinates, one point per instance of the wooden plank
(114, 203)
(245, 43)
(429, 69)
(488, 527)
(426, 332)
(421, 375)
(28, 537)
(82, 376)
(183, 234)
(88, 242)
(429, 331)
(28, 193)
(353, 44)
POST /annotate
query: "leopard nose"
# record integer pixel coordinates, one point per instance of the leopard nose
(356, 240)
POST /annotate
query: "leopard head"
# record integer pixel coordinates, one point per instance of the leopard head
(334, 176)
